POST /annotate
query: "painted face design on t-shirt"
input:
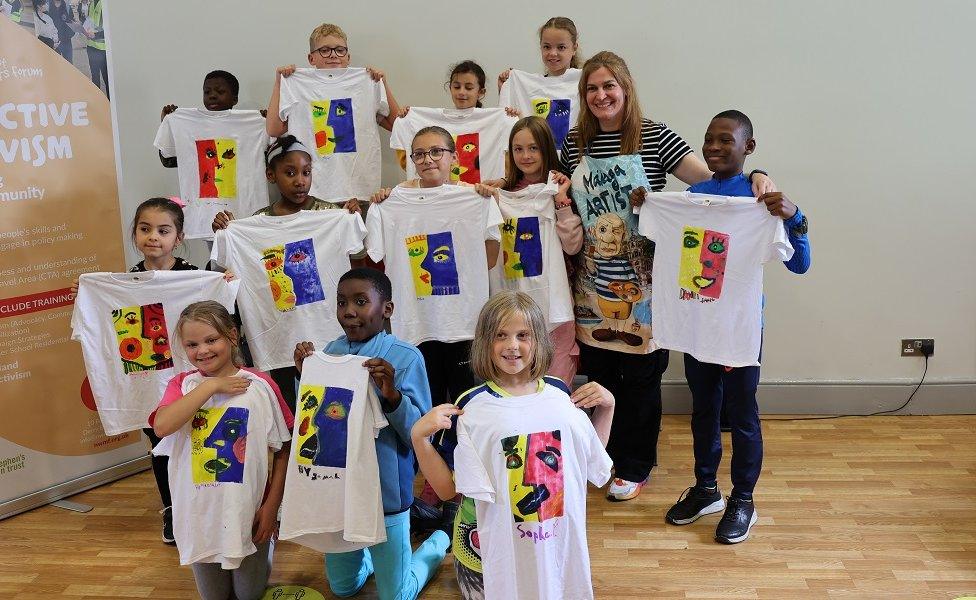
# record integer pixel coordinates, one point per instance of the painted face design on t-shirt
(702, 268)
(468, 165)
(218, 438)
(333, 126)
(143, 338)
(433, 264)
(535, 475)
(522, 247)
(293, 274)
(217, 163)
(323, 425)
(556, 112)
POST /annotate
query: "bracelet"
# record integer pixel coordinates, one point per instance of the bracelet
(754, 171)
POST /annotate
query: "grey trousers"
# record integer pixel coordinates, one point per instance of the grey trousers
(247, 581)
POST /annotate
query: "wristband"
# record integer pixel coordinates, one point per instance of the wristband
(754, 171)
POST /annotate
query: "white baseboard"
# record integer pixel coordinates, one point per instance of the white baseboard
(841, 398)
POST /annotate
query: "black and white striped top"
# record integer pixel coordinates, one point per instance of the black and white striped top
(661, 151)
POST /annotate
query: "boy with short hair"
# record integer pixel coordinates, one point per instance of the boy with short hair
(328, 48)
(728, 140)
(364, 301)
(220, 90)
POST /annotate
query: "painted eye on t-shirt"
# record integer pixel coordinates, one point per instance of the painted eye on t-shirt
(228, 154)
(526, 236)
(691, 241)
(442, 254)
(211, 153)
(340, 110)
(717, 246)
(549, 457)
(469, 147)
(318, 111)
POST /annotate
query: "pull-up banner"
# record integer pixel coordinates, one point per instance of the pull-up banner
(59, 217)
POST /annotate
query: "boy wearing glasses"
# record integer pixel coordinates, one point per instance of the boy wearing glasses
(328, 48)
(334, 110)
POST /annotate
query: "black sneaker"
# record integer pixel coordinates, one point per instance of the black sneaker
(695, 502)
(740, 515)
(168, 526)
(424, 518)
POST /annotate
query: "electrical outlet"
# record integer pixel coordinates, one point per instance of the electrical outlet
(913, 347)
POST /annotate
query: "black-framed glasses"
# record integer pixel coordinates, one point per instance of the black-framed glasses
(325, 51)
(435, 154)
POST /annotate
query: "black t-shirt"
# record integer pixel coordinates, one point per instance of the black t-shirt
(179, 265)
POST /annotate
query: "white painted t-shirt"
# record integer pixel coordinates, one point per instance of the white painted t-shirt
(432, 241)
(708, 273)
(531, 258)
(525, 460)
(218, 470)
(555, 99)
(480, 135)
(220, 163)
(332, 499)
(333, 113)
(126, 325)
(290, 268)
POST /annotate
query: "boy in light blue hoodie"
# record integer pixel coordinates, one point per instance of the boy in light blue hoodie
(364, 301)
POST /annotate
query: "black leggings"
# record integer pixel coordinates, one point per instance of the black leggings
(160, 467)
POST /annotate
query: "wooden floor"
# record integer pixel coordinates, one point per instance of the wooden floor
(881, 507)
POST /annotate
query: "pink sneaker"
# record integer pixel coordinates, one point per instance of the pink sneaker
(621, 489)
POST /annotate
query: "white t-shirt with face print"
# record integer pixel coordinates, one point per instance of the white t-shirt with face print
(332, 499)
(289, 267)
(708, 273)
(220, 163)
(480, 136)
(432, 241)
(126, 323)
(218, 470)
(531, 256)
(333, 113)
(525, 461)
(555, 99)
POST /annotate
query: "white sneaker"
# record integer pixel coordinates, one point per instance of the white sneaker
(621, 489)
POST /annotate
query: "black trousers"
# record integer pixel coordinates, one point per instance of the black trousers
(285, 378)
(448, 367)
(98, 65)
(635, 382)
(160, 468)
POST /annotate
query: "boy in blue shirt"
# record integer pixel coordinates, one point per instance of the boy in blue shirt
(727, 143)
(364, 301)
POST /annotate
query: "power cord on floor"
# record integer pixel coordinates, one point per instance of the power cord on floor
(874, 414)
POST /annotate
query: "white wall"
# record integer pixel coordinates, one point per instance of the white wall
(863, 114)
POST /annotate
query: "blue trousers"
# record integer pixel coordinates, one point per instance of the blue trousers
(400, 574)
(711, 385)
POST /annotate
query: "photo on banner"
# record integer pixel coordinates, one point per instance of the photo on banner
(59, 217)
